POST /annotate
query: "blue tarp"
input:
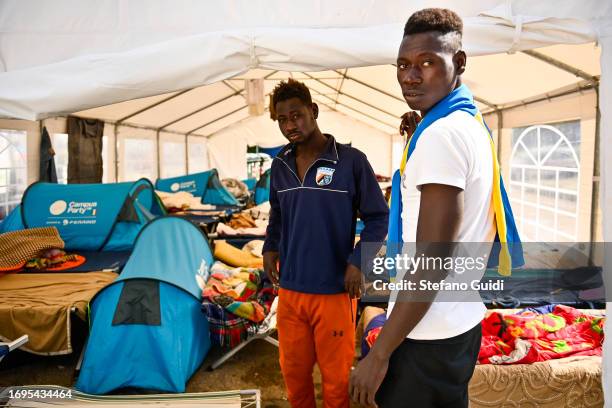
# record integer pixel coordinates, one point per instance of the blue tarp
(262, 189)
(272, 151)
(89, 217)
(173, 254)
(205, 184)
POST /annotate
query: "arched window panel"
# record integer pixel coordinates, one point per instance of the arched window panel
(13, 169)
(545, 181)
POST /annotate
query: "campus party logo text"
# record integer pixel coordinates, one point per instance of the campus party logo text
(60, 207)
(184, 186)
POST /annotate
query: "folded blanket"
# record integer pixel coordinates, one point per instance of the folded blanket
(182, 200)
(226, 329)
(18, 247)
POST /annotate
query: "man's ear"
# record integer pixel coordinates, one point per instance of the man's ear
(315, 110)
(460, 60)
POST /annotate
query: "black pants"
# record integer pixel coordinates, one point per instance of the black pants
(431, 373)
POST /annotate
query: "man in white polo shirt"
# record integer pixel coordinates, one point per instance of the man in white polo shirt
(427, 350)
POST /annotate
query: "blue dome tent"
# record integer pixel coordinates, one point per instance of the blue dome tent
(205, 184)
(147, 330)
(89, 217)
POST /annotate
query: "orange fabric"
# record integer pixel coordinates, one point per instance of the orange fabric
(316, 329)
(80, 260)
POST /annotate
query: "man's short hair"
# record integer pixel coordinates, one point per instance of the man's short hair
(441, 20)
(287, 90)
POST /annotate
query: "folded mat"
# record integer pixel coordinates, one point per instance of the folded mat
(39, 305)
(17, 247)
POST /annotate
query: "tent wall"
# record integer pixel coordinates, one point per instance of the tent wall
(605, 103)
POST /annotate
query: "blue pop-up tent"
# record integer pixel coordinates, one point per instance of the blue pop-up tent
(147, 330)
(89, 217)
(205, 184)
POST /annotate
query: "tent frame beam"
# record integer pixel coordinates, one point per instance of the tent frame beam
(210, 105)
(355, 110)
(580, 87)
(561, 65)
(478, 99)
(216, 120)
(340, 92)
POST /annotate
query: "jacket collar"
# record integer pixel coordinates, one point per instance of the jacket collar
(330, 152)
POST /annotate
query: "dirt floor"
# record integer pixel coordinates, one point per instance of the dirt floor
(254, 367)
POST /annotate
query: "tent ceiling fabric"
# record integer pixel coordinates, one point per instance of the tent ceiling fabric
(368, 94)
(88, 55)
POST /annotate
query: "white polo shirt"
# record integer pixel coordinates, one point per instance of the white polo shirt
(454, 150)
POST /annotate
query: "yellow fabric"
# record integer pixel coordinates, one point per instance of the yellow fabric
(232, 256)
(505, 262)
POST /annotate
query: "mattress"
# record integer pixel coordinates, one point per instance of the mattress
(40, 306)
(566, 382)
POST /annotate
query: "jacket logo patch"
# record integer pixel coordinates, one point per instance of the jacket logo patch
(324, 176)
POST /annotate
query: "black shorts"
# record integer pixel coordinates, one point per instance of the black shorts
(431, 373)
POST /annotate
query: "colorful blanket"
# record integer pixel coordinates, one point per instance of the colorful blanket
(529, 336)
(526, 337)
(236, 289)
(226, 329)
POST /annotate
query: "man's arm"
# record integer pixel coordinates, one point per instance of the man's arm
(440, 213)
(273, 232)
(374, 213)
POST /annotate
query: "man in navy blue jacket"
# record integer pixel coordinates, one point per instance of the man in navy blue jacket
(318, 187)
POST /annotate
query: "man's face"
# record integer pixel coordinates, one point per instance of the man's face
(296, 120)
(428, 68)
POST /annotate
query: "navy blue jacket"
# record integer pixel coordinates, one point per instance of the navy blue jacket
(312, 225)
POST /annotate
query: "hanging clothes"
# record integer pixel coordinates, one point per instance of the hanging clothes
(84, 150)
(47, 171)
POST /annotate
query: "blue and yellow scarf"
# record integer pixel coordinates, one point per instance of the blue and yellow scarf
(507, 250)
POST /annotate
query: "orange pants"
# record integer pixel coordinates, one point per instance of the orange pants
(316, 329)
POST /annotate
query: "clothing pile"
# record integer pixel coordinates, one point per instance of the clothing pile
(242, 224)
(237, 188)
(35, 249)
(235, 300)
(550, 332)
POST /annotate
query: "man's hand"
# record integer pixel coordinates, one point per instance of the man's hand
(410, 120)
(352, 281)
(270, 261)
(366, 378)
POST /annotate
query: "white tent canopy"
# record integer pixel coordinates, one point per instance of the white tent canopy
(179, 67)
